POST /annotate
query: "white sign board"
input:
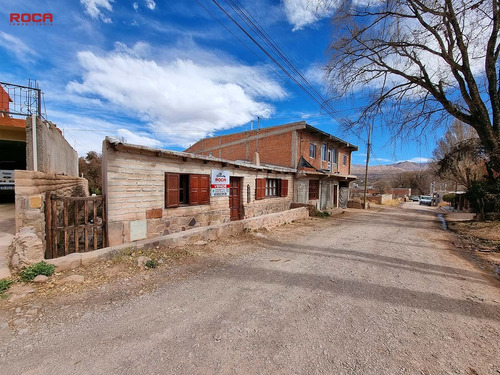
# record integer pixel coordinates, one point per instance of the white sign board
(219, 184)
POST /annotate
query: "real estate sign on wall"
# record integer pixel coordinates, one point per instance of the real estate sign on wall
(219, 184)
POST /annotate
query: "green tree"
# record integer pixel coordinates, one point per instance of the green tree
(90, 167)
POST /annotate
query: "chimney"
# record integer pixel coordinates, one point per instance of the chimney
(256, 158)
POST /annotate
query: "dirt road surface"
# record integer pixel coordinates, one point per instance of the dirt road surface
(361, 293)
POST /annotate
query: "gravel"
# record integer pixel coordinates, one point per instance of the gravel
(360, 293)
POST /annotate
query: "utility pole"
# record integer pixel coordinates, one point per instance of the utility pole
(367, 161)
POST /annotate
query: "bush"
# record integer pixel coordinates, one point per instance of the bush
(33, 271)
(450, 197)
(484, 196)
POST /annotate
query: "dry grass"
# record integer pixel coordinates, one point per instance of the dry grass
(392, 202)
(488, 231)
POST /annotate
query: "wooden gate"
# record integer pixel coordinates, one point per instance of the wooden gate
(74, 224)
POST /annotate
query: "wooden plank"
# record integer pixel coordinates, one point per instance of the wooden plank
(66, 225)
(94, 231)
(85, 220)
(76, 226)
(54, 225)
(48, 226)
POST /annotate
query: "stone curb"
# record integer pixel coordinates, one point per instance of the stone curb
(209, 233)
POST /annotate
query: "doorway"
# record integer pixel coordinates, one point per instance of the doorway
(235, 198)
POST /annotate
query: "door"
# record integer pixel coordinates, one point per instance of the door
(235, 198)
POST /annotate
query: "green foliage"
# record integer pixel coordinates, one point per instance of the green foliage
(450, 198)
(41, 268)
(4, 285)
(484, 196)
(151, 264)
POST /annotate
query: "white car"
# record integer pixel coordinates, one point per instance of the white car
(425, 199)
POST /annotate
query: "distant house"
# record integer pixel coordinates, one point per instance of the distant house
(322, 161)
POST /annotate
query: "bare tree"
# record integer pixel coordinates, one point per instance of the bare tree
(90, 167)
(458, 157)
(421, 62)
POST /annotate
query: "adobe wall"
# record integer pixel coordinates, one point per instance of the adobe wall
(55, 154)
(30, 189)
(134, 186)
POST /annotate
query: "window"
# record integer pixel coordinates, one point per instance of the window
(344, 159)
(186, 189)
(334, 155)
(270, 187)
(312, 151)
(324, 153)
(313, 189)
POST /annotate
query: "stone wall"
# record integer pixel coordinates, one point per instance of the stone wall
(134, 185)
(30, 196)
(55, 154)
(209, 233)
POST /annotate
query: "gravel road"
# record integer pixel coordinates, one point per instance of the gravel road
(361, 293)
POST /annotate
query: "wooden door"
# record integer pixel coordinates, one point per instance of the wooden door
(235, 198)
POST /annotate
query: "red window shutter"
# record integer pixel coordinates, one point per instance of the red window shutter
(194, 189)
(284, 188)
(260, 188)
(204, 189)
(172, 189)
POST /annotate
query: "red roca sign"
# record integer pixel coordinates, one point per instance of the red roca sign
(31, 19)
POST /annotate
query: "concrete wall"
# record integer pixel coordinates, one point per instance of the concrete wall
(55, 155)
(379, 199)
(134, 185)
(327, 189)
(30, 189)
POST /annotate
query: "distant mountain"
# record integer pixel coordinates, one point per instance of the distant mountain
(403, 166)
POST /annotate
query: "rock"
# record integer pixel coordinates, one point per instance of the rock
(26, 249)
(200, 243)
(72, 279)
(40, 279)
(142, 260)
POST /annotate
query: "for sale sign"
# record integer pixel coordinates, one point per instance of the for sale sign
(219, 185)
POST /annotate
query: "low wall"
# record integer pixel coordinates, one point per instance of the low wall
(209, 233)
(30, 188)
(379, 199)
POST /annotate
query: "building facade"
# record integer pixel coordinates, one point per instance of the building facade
(322, 161)
(152, 192)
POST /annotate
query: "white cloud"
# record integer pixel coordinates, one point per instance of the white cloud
(301, 13)
(94, 8)
(136, 6)
(182, 99)
(16, 46)
(140, 138)
(417, 160)
(151, 4)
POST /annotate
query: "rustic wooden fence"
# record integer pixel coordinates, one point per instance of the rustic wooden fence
(74, 224)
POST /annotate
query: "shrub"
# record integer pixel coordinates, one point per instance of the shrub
(450, 197)
(4, 285)
(151, 264)
(33, 271)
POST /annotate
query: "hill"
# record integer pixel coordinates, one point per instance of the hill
(390, 169)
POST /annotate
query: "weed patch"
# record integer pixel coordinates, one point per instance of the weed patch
(41, 268)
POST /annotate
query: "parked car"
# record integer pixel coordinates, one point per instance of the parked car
(414, 198)
(425, 199)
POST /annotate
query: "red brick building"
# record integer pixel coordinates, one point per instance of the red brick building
(322, 161)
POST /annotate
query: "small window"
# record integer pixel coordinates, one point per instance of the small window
(334, 155)
(324, 153)
(312, 151)
(186, 189)
(313, 189)
(344, 160)
(272, 187)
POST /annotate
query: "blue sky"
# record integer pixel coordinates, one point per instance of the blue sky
(167, 73)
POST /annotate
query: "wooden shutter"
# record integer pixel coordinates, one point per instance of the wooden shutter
(194, 189)
(204, 189)
(284, 188)
(172, 189)
(260, 188)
